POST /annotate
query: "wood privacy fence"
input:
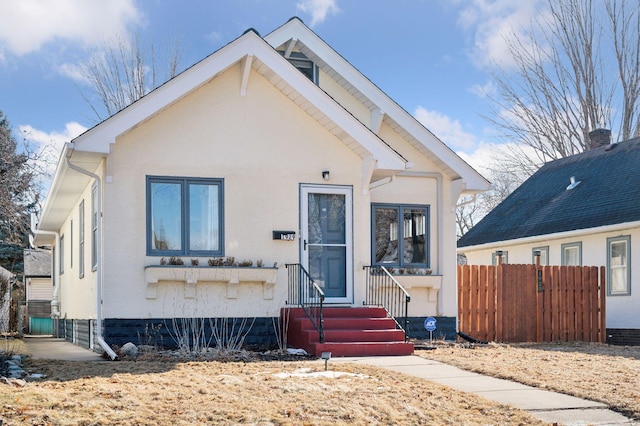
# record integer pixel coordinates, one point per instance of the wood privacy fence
(529, 303)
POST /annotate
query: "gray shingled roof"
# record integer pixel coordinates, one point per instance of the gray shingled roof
(608, 194)
(37, 263)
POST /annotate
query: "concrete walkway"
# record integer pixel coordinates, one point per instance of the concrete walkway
(548, 406)
(45, 347)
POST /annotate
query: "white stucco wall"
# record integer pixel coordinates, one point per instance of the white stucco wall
(622, 311)
(264, 147)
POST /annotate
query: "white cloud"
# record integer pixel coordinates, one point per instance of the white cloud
(492, 22)
(49, 145)
(447, 129)
(26, 25)
(318, 9)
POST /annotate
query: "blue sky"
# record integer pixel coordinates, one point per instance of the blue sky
(430, 56)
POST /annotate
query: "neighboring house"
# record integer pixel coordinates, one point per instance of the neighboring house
(39, 290)
(579, 210)
(6, 282)
(272, 150)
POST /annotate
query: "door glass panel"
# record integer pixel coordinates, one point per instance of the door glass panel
(327, 242)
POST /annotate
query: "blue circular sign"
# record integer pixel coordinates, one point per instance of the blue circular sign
(430, 324)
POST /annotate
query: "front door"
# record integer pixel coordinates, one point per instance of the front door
(326, 238)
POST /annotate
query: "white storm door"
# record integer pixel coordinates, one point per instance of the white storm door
(326, 238)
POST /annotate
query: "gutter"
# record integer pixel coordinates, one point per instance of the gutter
(69, 152)
(438, 178)
(547, 237)
(55, 302)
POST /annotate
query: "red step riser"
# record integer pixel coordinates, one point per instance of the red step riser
(366, 312)
(349, 324)
(355, 336)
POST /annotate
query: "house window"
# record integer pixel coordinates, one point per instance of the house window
(94, 227)
(81, 240)
(572, 254)
(185, 216)
(544, 255)
(495, 255)
(400, 235)
(61, 254)
(619, 269)
(304, 65)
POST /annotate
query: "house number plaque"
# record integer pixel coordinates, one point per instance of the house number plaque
(284, 235)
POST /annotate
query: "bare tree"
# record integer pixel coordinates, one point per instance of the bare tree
(123, 72)
(19, 195)
(574, 72)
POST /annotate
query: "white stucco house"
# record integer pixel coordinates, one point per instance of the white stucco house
(582, 210)
(271, 151)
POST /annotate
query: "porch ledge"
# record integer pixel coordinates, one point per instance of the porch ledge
(232, 277)
(425, 281)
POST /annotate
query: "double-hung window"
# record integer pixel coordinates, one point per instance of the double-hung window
(572, 254)
(619, 268)
(400, 235)
(185, 216)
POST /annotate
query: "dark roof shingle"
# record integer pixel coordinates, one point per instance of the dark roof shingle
(608, 193)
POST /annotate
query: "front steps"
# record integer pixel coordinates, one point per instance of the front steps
(348, 331)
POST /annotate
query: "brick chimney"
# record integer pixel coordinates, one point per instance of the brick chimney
(599, 137)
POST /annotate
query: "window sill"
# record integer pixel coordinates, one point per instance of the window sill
(232, 277)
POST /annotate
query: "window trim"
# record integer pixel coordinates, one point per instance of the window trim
(61, 254)
(81, 239)
(540, 249)
(565, 246)
(627, 240)
(184, 206)
(94, 227)
(427, 241)
(505, 257)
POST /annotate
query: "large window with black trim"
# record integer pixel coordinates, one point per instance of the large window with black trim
(185, 216)
(400, 235)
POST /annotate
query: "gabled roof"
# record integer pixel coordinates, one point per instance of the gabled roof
(295, 34)
(607, 192)
(37, 263)
(250, 52)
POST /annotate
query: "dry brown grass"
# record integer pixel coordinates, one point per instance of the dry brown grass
(609, 374)
(212, 392)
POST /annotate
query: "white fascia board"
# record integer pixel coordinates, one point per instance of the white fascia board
(548, 237)
(296, 29)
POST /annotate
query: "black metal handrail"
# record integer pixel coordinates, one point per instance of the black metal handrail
(304, 291)
(383, 290)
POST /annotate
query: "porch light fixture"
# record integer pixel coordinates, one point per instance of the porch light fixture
(326, 175)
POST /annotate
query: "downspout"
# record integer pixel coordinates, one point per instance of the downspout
(55, 302)
(438, 178)
(70, 147)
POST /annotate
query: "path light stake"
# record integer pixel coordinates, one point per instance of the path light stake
(326, 356)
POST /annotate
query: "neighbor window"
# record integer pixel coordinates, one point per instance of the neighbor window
(81, 240)
(495, 255)
(544, 255)
(94, 227)
(184, 216)
(619, 268)
(572, 254)
(400, 235)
